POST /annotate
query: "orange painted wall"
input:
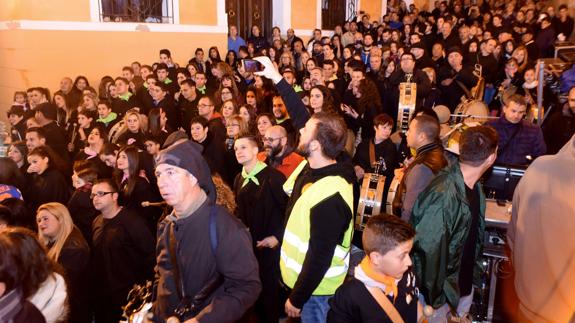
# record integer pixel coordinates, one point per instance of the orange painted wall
(371, 7)
(66, 10)
(32, 58)
(196, 12)
(303, 14)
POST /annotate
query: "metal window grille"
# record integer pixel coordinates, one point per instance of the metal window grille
(151, 11)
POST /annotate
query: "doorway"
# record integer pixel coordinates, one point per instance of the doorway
(246, 13)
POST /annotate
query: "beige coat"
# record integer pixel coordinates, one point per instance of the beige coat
(542, 238)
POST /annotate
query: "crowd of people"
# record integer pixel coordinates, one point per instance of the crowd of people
(232, 183)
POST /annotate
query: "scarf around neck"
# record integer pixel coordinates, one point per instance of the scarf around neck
(252, 175)
(371, 278)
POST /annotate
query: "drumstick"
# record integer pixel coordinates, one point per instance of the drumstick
(472, 116)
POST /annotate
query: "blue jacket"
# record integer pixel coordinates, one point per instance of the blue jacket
(528, 141)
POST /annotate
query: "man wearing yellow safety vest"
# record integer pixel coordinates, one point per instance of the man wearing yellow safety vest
(317, 239)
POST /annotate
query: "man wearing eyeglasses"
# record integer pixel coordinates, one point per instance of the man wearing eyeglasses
(122, 252)
(408, 73)
(206, 109)
(279, 152)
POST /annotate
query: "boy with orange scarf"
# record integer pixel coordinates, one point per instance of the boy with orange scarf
(383, 289)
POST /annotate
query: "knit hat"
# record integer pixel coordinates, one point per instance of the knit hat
(188, 156)
(174, 137)
(418, 45)
(454, 49)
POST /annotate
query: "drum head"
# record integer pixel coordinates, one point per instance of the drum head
(477, 110)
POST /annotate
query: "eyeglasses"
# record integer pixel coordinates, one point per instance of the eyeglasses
(268, 139)
(100, 194)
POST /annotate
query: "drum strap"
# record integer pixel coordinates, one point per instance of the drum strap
(385, 304)
(465, 89)
(371, 153)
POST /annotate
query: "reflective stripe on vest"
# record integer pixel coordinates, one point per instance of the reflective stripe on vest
(297, 234)
(290, 181)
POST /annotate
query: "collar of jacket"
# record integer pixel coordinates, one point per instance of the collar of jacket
(196, 205)
(426, 148)
(456, 177)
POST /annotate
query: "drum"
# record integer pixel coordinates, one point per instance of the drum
(370, 199)
(475, 109)
(393, 187)
(116, 131)
(407, 99)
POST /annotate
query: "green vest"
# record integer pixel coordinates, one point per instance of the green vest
(297, 233)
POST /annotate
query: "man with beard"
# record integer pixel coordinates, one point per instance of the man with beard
(281, 115)
(317, 239)
(278, 151)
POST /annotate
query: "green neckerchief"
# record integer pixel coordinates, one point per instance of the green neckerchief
(167, 81)
(297, 88)
(145, 84)
(111, 117)
(126, 96)
(202, 89)
(280, 121)
(252, 175)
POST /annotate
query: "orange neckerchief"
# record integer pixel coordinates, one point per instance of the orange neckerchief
(389, 282)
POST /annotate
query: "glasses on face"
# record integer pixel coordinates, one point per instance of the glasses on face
(100, 194)
(269, 139)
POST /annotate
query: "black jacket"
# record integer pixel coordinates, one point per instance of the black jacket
(50, 186)
(353, 303)
(233, 259)
(329, 219)
(122, 253)
(75, 259)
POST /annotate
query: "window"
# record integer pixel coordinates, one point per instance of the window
(152, 11)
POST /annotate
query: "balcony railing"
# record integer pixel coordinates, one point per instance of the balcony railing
(152, 11)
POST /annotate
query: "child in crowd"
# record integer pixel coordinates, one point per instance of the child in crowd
(383, 289)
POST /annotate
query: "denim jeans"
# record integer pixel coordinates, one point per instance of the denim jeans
(315, 309)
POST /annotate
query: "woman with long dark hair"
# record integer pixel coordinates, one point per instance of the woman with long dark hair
(214, 55)
(157, 124)
(367, 106)
(135, 188)
(18, 152)
(48, 184)
(26, 273)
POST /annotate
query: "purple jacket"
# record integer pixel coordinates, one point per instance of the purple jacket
(528, 141)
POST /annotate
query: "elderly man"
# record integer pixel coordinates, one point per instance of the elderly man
(200, 244)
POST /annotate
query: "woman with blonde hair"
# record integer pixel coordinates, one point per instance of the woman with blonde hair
(66, 246)
(131, 131)
(235, 127)
(522, 56)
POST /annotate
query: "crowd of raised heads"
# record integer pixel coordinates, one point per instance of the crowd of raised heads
(81, 152)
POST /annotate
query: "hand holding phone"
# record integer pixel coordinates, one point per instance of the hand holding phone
(251, 65)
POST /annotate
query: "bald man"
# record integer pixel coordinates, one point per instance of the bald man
(278, 152)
